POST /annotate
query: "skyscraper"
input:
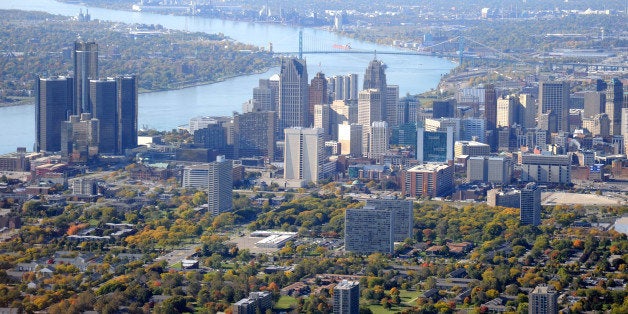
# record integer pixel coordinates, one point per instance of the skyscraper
(490, 107)
(435, 146)
(368, 230)
(527, 111)
(85, 69)
(304, 154)
(103, 104)
(318, 94)
(350, 139)
(53, 105)
(614, 104)
(392, 97)
(347, 297)
(369, 111)
(323, 119)
(80, 138)
(530, 205)
(554, 96)
(264, 95)
(375, 75)
(293, 93)
(127, 106)
(220, 186)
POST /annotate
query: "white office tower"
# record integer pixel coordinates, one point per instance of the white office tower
(369, 110)
(379, 139)
(220, 186)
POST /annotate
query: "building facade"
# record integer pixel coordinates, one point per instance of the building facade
(293, 94)
(304, 154)
(347, 297)
(220, 186)
(530, 205)
(53, 105)
(428, 180)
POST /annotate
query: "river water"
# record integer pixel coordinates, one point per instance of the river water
(168, 109)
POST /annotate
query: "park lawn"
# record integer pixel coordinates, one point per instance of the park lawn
(408, 297)
(285, 302)
(379, 309)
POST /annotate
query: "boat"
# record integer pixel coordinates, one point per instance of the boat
(342, 47)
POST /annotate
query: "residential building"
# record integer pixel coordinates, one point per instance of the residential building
(347, 297)
(255, 134)
(427, 180)
(402, 215)
(379, 139)
(257, 302)
(543, 300)
(368, 231)
(220, 186)
(504, 198)
(530, 205)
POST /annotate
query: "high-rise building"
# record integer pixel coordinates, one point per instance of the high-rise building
(369, 111)
(255, 134)
(198, 123)
(554, 97)
(435, 146)
(507, 109)
(304, 154)
(114, 103)
(85, 69)
(195, 176)
(543, 300)
(546, 168)
(614, 104)
(213, 136)
(375, 76)
(527, 111)
(490, 107)
(322, 119)
(368, 230)
(392, 97)
(318, 94)
(427, 180)
(293, 94)
(347, 297)
(530, 205)
(473, 129)
(471, 148)
(80, 138)
(402, 214)
(379, 139)
(443, 108)
(53, 105)
(350, 139)
(594, 103)
(598, 125)
(103, 104)
(489, 169)
(441, 125)
(257, 302)
(127, 90)
(220, 186)
(264, 95)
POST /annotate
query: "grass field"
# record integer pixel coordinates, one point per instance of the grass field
(285, 302)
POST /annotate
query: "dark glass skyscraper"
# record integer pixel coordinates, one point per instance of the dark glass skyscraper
(126, 112)
(318, 94)
(53, 105)
(103, 104)
(554, 96)
(85, 69)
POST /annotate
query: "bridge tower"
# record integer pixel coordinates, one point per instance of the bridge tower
(460, 50)
(301, 44)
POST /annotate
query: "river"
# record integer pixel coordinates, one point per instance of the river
(168, 109)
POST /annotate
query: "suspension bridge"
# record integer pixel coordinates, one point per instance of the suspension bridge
(464, 52)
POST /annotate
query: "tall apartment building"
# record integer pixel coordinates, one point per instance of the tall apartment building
(369, 111)
(379, 139)
(543, 300)
(195, 176)
(435, 146)
(293, 94)
(85, 57)
(427, 180)
(554, 97)
(257, 302)
(255, 134)
(53, 105)
(265, 95)
(304, 154)
(220, 186)
(368, 231)
(347, 297)
(402, 214)
(350, 139)
(530, 205)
